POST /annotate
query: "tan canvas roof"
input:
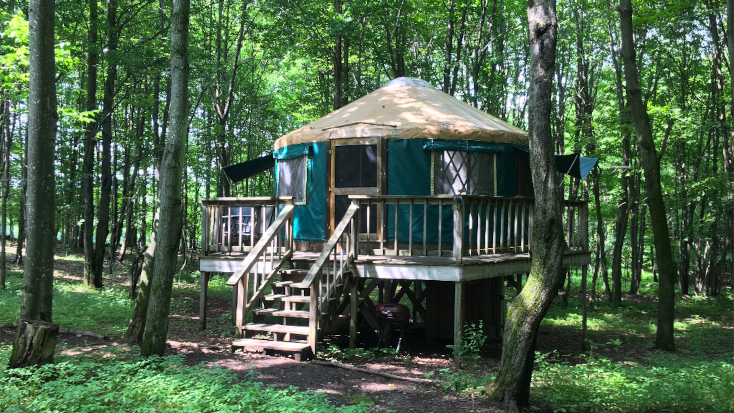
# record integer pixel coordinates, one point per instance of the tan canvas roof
(407, 108)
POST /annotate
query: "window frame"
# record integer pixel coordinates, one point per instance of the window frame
(305, 178)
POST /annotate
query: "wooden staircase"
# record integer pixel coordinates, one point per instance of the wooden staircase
(280, 323)
(290, 305)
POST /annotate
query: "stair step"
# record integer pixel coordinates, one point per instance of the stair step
(278, 328)
(288, 298)
(282, 313)
(302, 350)
(283, 283)
(294, 272)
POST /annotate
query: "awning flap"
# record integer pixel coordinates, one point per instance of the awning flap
(575, 165)
(462, 145)
(244, 170)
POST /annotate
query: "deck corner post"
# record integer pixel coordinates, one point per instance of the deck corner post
(313, 317)
(353, 314)
(458, 321)
(458, 207)
(204, 279)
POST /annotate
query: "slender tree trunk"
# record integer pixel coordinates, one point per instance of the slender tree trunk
(530, 306)
(8, 143)
(169, 194)
(89, 146)
(664, 337)
(23, 197)
(103, 212)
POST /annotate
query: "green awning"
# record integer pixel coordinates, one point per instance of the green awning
(244, 170)
(575, 165)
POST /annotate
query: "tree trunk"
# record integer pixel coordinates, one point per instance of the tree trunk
(23, 196)
(664, 337)
(36, 303)
(103, 211)
(530, 306)
(89, 146)
(169, 193)
(8, 143)
(34, 344)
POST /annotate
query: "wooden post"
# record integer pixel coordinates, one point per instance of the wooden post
(240, 306)
(313, 317)
(204, 278)
(353, 314)
(458, 320)
(458, 207)
(584, 345)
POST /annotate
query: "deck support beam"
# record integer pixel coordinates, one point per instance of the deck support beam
(458, 321)
(204, 279)
(353, 314)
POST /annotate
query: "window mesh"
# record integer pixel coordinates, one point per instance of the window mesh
(292, 178)
(460, 172)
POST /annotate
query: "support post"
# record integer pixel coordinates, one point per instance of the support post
(203, 293)
(353, 314)
(313, 317)
(240, 306)
(458, 320)
(584, 273)
(458, 207)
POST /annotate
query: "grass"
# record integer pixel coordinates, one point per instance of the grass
(621, 373)
(113, 381)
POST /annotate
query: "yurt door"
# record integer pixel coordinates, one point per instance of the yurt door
(356, 166)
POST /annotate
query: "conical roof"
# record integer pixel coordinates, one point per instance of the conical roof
(407, 108)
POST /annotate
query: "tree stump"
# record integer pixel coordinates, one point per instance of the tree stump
(34, 343)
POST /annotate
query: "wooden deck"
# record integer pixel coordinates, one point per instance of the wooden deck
(411, 268)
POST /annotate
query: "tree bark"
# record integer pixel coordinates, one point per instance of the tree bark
(169, 194)
(530, 306)
(34, 344)
(664, 337)
(89, 146)
(103, 210)
(36, 302)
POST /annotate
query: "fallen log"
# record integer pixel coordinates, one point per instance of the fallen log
(64, 331)
(377, 373)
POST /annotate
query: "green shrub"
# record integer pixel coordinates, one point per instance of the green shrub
(104, 384)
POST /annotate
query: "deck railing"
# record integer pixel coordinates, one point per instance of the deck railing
(432, 225)
(236, 224)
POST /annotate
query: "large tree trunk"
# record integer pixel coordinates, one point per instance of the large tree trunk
(36, 342)
(136, 327)
(530, 306)
(169, 193)
(664, 338)
(89, 147)
(36, 303)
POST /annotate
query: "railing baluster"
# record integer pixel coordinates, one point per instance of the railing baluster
(440, 226)
(395, 241)
(410, 228)
(425, 228)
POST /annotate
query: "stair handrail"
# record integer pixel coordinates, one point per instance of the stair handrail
(261, 246)
(329, 247)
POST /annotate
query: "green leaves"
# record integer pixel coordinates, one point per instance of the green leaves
(120, 383)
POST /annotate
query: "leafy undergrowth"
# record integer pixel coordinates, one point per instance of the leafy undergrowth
(119, 382)
(666, 384)
(105, 311)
